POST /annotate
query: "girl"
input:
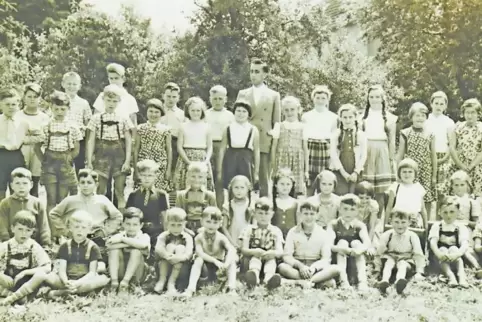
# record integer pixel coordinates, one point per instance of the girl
(285, 206)
(465, 144)
(237, 210)
(441, 126)
(367, 208)
(194, 142)
(408, 195)
(239, 154)
(290, 145)
(379, 126)
(326, 201)
(348, 150)
(37, 120)
(152, 142)
(61, 147)
(418, 143)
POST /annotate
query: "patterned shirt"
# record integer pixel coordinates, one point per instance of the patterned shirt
(269, 238)
(112, 123)
(61, 136)
(406, 246)
(79, 113)
(39, 255)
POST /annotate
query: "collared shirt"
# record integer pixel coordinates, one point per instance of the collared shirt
(319, 125)
(239, 134)
(440, 126)
(39, 255)
(127, 105)
(79, 113)
(61, 136)
(253, 230)
(78, 256)
(313, 248)
(360, 149)
(328, 209)
(173, 118)
(470, 209)
(157, 202)
(463, 233)
(218, 121)
(406, 245)
(141, 237)
(258, 92)
(12, 131)
(110, 129)
(36, 123)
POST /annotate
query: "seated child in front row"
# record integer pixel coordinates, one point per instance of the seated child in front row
(24, 263)
(128, 251)
(262, 244)
(78, 259)
(477, 236)
(400, 248)
(350, 239)
(449, 241)
(307, 253)
(174, 248)
(214, 253)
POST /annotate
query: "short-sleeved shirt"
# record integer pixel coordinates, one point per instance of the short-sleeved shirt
(79, 113)
(218, 121)
(174, 118)
(61, 136)
(78, 256)
(440, 126)
(409, 197)
(305, 248)
(110, 129)
(319, 125)
(463, 233)
(36, 123)
(142, 237)
(39, 255)
(239, 134)
(195, 134)
(266, 239)
(126, 107)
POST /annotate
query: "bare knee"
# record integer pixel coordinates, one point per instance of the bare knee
(343, 243)
(402, 265)
(180, 249)
(355, 244)
(198, 261)
(453, 250)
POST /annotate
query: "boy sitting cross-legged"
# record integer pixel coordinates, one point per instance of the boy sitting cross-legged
(214, 253)
(78, 258)
(24, 263)
(128, 251)
(307, 253)
(174, 248)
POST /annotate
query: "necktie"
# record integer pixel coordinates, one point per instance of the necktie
(147, 196)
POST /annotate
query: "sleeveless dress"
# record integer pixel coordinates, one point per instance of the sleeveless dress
(153, 147)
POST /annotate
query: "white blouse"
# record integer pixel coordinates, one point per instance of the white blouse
(319, 125)
(375, 124)
(195, 134)
(440, 126)
(409, 197)
(239, 135)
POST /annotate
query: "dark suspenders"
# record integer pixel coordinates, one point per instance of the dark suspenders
(102, 126)
(246, 146)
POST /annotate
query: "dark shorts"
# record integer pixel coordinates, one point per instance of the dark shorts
(109, 157)
(20, 283)
(57, 167)
(209, 272)
(10, 160)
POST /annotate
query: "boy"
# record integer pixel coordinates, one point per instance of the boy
(25, 264)
(173, 117)
(262, 244)
(174, 248)
(320, 122)
(449, 241)
(218, 117)
(78, 258)
(100, 208)
(12, 135)
(215, 254)
(350, 239)
(400, 248)
(109, 145)
(78, 114)
(307, 253)
(128, 251)
(151, 201)
(20, 199)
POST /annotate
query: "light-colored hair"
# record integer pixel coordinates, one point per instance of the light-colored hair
(319, 89)
(439, 94)
(147, 165)
(417, 107)
(326, 174)
(197, 167)
(192, 101)
(116, 68)
(407, 163)
(460, 175)
(175, 214)
(71, 75)
(346, 108)
(290, 100)
(471, 102)
(81, 216)
(218, 89)
(112, 90)
(33, 87)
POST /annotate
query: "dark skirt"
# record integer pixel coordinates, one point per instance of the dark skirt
(237, 161)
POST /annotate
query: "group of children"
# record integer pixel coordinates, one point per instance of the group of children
(343, 195)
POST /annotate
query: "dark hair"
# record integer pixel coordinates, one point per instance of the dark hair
(309, 205)
(384, 108)
(212, 213)
(133, 212)
(282, 173)
(85, 173)
(365, 188)
(172, 87)
(248, 213)
(400, 215)
(155, 103)
(59, 98)
(257, 61)
(350, 199)
(244, 105)
(25, 218)
(8, 92)
(21, 173)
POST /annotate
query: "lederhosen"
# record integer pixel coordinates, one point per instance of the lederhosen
(109, 155)
(454, 233)
(348, 234)
(13, 271)
(58, 166)
(238, 161)
(78, 267)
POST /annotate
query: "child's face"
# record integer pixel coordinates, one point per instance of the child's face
(418, 119)
(59, 111)
(153, 115)
(21, 186)
(284, 186)
(308, 216)
(241, 114)
(111, 102)
(132, 226)
(348, 212)
(147, 178)
(196, 112)
(438, 105)
(31, 99)
(80, 230)
(460, 187)
(71, 85)
(291, 111)
(239, 190)
(364, 199)
(9, 106)
(263, 217)
(449, 213)
(321, 99)
(375, 98)
(400, 225)
(348, 119)
(171, 98)
(22, 233)
(115, 79)
(407, 175)
(175, 227)
(218, 100)
(326, 186)
(197, 179)
(211, 225)
(87, 185)
(470, 114)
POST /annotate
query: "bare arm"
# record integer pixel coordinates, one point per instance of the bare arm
(453, 150)
(180, 146)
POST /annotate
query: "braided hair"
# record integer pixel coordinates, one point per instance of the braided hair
(384, 107)
(245, 180)
(347, 108)
(283, 173)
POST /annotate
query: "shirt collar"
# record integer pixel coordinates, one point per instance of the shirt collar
(14, 196)
(144, 190)
(172, 108)
(260, 87)
(405, 233)
(13, 118)
(316, 228)
(347, 224)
